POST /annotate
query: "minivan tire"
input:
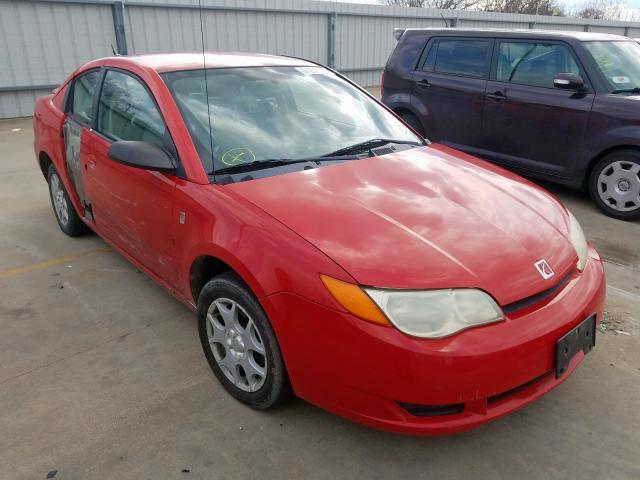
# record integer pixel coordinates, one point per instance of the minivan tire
(618, 172)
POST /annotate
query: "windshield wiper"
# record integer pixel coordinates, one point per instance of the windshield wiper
(628, 90)
(257, 165)
(369, 144)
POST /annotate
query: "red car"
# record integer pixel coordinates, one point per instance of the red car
(328, 250)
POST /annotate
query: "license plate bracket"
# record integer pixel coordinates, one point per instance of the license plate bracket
(581, 338)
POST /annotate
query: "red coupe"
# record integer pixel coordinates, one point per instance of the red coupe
(328, 250)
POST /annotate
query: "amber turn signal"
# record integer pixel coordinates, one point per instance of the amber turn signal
(354, 300)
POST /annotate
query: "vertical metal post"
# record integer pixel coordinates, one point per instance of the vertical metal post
(532, 25)
(586, 28)
(626, 31)
(117, 10)
(331, 53)
(453, 22)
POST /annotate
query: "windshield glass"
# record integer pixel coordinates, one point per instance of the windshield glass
(267, 113)
(619, 62)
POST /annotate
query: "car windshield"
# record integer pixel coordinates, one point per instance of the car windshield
(619, 62)
(257, 114)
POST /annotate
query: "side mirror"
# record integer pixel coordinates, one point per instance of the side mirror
(568, 81)
(141, 155)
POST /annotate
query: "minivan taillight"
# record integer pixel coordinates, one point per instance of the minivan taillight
(382, 84)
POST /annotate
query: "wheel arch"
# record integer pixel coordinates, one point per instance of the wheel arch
(44, 160)
(607, 151)
(204, 268)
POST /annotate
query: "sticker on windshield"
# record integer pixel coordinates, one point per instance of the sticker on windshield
(620, 79)
(311, 70)
(238, 156)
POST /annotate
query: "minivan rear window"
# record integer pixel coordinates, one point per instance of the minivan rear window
(467, 57)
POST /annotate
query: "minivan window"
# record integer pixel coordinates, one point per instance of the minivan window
(127, 111)
(619, 63)
(462, 57)
(534, 64)
(83, 89)
(429, 57)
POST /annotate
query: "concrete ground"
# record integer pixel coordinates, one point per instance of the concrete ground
(102, 375)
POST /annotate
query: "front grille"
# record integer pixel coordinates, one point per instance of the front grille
(538, 297)
(432, 410)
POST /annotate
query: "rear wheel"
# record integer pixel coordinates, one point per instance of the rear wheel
(64, 211)
(614, 185)
(411, 120)
(239, 343)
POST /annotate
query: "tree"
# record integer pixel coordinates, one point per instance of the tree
(531, 7)
(441, 4)
(606, 10)
(407, 3)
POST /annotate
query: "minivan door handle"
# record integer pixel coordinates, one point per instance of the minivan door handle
(424, 83)
(496, 96)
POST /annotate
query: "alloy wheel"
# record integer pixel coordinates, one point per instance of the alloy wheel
(236, 344)
(59, 199)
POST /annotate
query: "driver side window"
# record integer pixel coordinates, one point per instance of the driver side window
(126, 111)
(533, 64)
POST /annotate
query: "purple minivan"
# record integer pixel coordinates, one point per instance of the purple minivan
(560, 106)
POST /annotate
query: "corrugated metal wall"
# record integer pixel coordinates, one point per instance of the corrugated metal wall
(42, 41)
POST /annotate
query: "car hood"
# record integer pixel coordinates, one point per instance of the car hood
(429, 217)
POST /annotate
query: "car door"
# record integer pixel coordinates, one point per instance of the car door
(528, 123)
(132, 207)
(449, 84)
(75, 128)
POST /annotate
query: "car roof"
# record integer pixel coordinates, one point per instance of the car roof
(516, 33)
(170, 62)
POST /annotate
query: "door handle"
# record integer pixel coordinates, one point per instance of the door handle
(424, 83)
(497, 96)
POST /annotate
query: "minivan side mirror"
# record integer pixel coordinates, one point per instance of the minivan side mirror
(141, 155)
(568, 81)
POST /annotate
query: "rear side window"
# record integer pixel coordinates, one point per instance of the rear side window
(84, 88)
(127, 111)
(534, 64)
(468, 57)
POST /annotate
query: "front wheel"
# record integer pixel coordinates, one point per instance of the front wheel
(240, 345)
(614, 185)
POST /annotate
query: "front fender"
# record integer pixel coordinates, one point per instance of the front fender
(266, 254)
(597, 145)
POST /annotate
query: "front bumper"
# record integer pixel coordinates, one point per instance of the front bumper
(365, 372)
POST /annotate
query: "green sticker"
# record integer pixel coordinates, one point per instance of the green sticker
(238, 156)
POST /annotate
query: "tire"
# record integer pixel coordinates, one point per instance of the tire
(233, 330)
(614, 185)
(411, 120)
(64, 211)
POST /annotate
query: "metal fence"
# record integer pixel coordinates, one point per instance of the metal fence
(42, 41)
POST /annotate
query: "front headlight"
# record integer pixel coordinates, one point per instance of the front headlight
(578, 241)
(436, 313)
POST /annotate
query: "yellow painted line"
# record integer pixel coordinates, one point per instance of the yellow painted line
(50, 263)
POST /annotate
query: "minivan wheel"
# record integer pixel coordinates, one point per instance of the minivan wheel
(614, 185)
(411, 120)
(68, 219)
(239, 343)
